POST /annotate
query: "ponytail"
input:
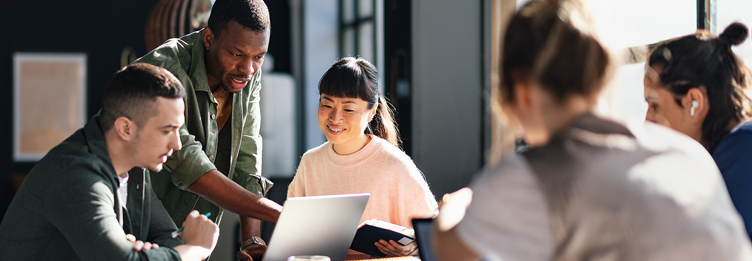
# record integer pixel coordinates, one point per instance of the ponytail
(383, 125)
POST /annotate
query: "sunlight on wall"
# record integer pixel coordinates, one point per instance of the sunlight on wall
(623, 24)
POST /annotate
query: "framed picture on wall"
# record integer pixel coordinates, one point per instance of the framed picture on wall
(49, 101)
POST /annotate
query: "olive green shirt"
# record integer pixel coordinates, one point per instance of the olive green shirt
(68, 208)
(236, 151)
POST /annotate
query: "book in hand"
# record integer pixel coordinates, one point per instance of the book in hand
(374, 230)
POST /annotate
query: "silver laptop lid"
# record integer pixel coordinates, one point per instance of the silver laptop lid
(317, 225)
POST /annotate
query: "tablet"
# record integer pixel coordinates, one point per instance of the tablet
(422, 227)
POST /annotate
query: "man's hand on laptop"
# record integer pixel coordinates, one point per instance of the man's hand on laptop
(252, 252)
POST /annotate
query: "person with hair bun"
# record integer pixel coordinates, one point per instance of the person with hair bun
(362, 154)
(588, 187)
(696, 85)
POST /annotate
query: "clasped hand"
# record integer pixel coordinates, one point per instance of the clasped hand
(139, 245)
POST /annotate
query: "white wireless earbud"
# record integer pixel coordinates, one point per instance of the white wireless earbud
(692, 107)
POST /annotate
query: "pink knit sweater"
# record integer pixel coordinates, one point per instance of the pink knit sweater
(398, 190)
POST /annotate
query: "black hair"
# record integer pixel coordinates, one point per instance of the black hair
(357, 78)
(707, 62)
(543, 43)
(132, 91)
(251, 14)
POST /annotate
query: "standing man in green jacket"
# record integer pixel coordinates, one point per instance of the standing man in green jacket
(219, 166)
(81, 202)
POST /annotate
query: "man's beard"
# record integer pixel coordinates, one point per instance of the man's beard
(224, 87)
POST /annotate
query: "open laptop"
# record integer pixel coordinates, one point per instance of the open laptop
(317, 225)
(422, 227)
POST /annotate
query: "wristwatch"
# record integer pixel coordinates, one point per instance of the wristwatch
(253, 240)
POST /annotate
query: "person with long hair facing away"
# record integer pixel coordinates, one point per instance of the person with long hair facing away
(362, 153)
(696, 85)
(587, 188)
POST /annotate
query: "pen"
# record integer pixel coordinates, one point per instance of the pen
(176, 233)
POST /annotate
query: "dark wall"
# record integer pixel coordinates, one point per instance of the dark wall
(100, 29)
(280, 44)
(448, 77)
(398, 54)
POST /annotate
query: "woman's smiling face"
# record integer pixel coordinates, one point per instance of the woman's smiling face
(343, 121)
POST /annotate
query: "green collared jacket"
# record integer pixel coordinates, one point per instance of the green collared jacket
(68, 208)
(203, 150)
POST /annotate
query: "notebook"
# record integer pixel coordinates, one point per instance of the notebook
(374, 230)
(422, 227)
(317, 225)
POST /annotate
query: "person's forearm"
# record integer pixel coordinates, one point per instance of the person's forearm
(217, 188)
(249, 227)
(446, 243)
(251, 249)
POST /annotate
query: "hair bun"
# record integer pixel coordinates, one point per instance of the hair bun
(735, 33)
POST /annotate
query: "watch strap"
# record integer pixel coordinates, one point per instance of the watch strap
(254, 240)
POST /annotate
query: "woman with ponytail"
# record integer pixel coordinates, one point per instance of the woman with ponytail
(362, 154)
(695, 84)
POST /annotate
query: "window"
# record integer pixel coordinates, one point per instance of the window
(358, 29)
(637, 23)
(634, 24)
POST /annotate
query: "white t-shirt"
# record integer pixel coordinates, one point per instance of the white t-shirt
(123, 189)
(508, 214)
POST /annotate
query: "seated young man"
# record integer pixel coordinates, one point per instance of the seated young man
(90, 198)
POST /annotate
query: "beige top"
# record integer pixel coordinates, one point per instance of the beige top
(398, 190)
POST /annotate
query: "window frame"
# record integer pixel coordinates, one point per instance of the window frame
(357, 22)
